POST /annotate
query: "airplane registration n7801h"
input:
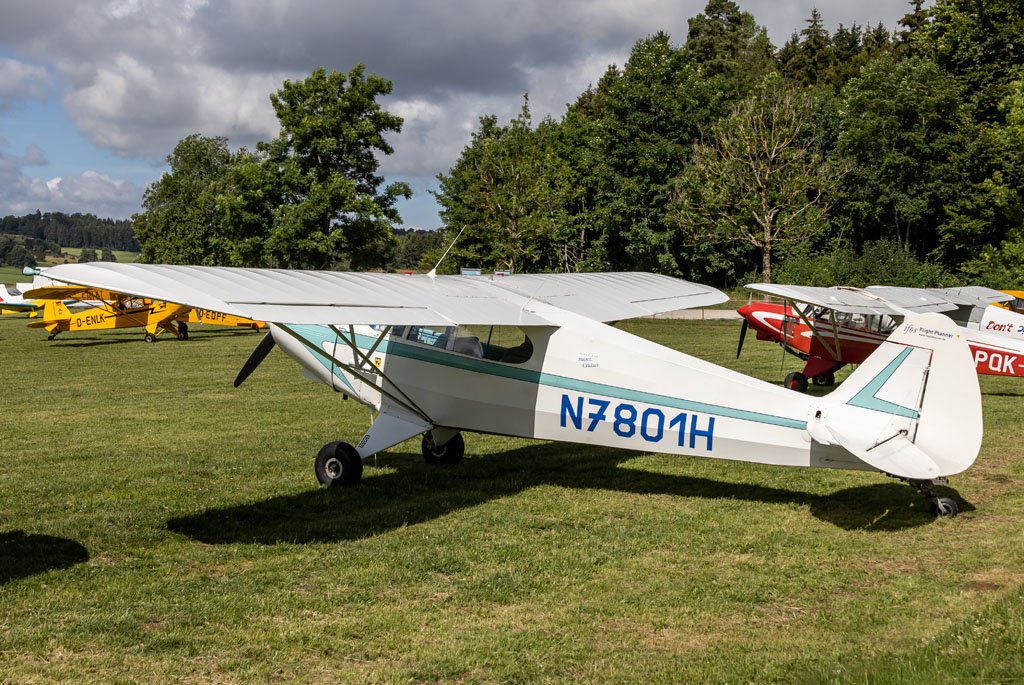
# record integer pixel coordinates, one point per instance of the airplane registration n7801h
(532, 356)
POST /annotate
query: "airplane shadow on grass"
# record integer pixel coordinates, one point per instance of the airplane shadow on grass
(122, 338)
(416, 492)
(24, 554)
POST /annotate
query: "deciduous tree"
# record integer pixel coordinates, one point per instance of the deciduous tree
(760, 178)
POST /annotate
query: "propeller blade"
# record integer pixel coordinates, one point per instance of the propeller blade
(743, 334)
(256, 358)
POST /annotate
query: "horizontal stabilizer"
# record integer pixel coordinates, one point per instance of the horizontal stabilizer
(896, 455)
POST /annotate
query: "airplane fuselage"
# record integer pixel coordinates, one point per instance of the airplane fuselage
(584, 382)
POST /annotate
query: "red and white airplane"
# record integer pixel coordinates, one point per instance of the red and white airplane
(829, 328)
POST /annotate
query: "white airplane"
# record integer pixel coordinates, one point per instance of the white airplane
(425, 353)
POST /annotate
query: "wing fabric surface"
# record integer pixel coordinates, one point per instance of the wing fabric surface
(891, 301)
(613, 296)
(323, 297)
(972, 295)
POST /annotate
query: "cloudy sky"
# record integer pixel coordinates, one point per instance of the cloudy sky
(95, 93)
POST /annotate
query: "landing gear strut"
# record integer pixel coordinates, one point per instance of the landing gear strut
(939, 507)
(338, 464)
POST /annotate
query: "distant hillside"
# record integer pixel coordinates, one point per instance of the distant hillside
(73, 230)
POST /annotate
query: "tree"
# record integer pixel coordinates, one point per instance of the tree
(726, 41)
(651, 116)
(980, 44)
(761, 179)
(329, 208)
(508, 195)
(808, 61)
(902, 127)
(182, 221)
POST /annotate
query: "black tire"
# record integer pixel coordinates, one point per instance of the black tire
(943, 507)
(182, 330)
(51, 336)
(449, 453)
(796, 381)
(827, 379)
(338, 465)
(150, 338)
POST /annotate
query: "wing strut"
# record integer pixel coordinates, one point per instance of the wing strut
(404, 401)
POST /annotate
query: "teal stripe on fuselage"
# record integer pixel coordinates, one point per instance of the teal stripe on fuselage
(866, 399)
(320, 335)
(491, 368)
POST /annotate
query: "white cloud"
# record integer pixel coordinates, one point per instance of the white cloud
(91, 191)
(21, 81)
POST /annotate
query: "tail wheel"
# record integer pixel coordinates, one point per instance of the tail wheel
(944, 507)
(796, 381)
(449, 453)
(150, 338)
(827, 379)
(338, 464)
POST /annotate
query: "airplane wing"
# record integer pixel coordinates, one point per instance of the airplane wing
(322, 297)
(859, 301)
(68, 292)
(971, 296)
(613, 296)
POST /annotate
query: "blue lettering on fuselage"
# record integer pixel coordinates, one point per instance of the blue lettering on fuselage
(628, 421)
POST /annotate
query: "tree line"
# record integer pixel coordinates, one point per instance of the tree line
(854, 156)
(73, 230)
(723, 159)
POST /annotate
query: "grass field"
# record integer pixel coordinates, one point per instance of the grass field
(158, 525)
(121, 255)
(12, 275)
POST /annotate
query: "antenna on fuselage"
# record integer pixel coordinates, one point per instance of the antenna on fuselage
(433, 272)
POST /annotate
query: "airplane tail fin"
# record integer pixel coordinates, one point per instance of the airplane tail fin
(913, 408)
(55, 310)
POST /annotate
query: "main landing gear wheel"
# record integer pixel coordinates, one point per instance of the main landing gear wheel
(449, 453)
(338, 464)
(51, 336)
(796, 381)
(943, 507)
(150, 338)
(827, 379)
(182, 330)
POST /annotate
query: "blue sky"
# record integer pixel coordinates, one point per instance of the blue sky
(94, 94)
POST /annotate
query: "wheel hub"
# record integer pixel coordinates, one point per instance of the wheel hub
(333, 467)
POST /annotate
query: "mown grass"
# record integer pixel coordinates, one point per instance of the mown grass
(122, 256)
(12, 274)
(158, 525)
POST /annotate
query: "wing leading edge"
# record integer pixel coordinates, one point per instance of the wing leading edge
(322, 297)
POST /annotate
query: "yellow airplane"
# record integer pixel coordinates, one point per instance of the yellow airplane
(108, 310)
(1014, 305)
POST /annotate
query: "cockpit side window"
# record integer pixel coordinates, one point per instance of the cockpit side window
(507, 344)
(435, 336)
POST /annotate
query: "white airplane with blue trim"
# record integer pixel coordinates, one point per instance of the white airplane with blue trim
(533, 356)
